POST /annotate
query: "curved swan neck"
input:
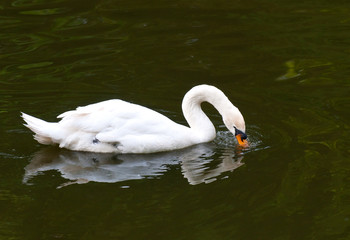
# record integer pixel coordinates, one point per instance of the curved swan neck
(196, 118)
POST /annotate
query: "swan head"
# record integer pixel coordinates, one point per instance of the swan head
(234, 122)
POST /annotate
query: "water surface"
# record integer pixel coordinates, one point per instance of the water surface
(285, 64)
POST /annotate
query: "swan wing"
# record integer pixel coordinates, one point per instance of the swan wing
(112, 120)
(119, 126)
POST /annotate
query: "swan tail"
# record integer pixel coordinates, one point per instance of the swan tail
(42, 129)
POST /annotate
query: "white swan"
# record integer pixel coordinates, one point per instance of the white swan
(122, 127)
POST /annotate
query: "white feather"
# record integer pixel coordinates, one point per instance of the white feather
(122, 127)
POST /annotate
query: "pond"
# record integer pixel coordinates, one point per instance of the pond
(284, 64)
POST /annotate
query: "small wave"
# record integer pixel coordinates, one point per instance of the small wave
(9, 155)
(225, 139)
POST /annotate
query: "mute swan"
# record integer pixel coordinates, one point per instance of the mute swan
(122, 127)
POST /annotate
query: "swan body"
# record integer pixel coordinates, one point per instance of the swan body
(123, 127)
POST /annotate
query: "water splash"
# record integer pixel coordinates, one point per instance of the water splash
(225, 140)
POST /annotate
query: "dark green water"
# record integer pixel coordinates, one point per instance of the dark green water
(285, 64)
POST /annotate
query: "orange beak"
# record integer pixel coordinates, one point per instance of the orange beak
(241, 142)
(241, 137)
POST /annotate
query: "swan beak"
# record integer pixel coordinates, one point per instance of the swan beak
(241, 140)
(241, 137)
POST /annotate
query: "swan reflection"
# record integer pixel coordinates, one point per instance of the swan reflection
(200, 163)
